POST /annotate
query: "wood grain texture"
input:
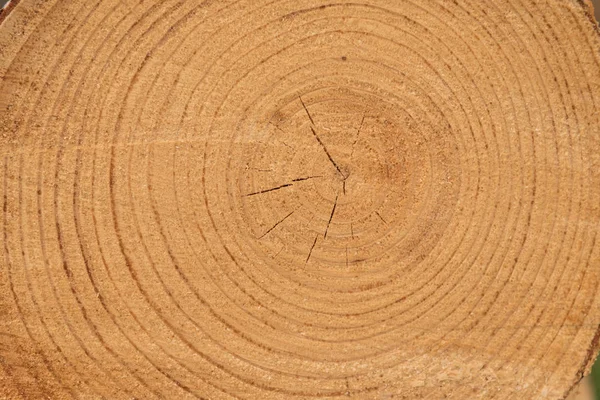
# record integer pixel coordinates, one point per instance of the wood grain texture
(298, 199)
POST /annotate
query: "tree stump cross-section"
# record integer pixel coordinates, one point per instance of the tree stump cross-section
(298, 199)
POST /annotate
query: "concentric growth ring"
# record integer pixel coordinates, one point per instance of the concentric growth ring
(295, 199)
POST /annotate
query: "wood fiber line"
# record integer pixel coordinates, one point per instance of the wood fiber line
(276, 199)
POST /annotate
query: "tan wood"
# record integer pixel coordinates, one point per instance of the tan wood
(583, 391)
(299, 199)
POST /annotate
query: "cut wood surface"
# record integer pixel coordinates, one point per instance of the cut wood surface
(298, 199)
(583, 391)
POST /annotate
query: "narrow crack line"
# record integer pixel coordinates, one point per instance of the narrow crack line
(357, 136)
(277, 127)
(269, 190)
(260, 170)
(306, 109)
(346, 256)
(278, 253)
(306, 178)
(282, 131)
(311, 249)
(327, 152)
(344, 187)
(331, 217)
(379, 215)
(277, 224)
